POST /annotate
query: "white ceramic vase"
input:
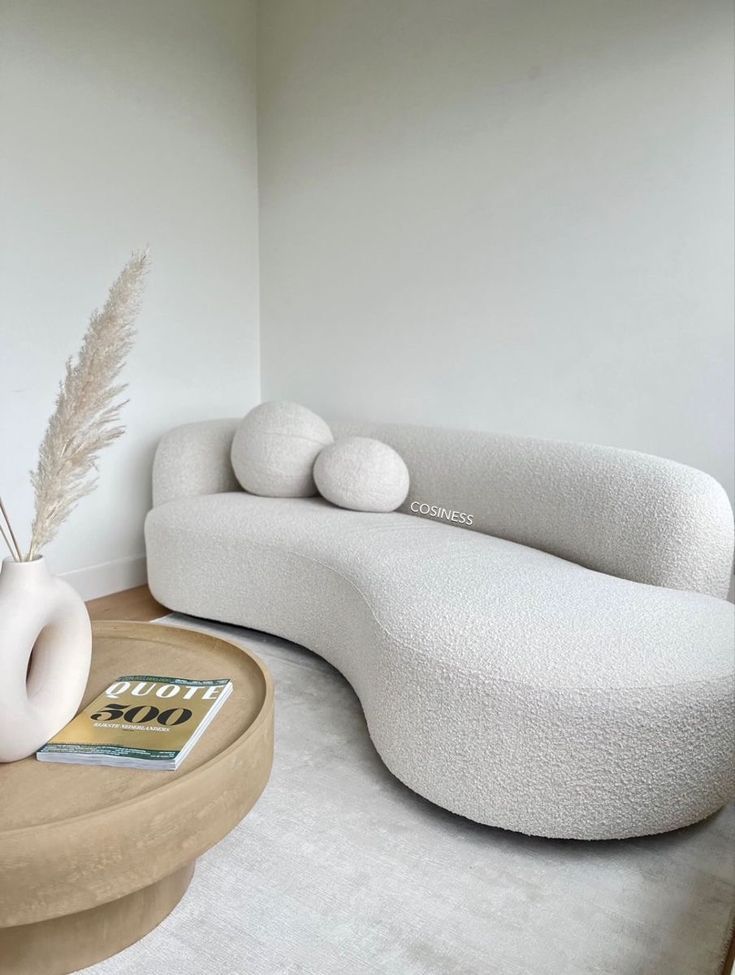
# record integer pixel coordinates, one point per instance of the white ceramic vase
(45, 653)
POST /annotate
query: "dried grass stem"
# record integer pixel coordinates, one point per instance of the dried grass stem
(87, 411)
(13, 548)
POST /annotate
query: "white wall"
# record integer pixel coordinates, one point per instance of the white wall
(513, 216)
(125, 123)
(509, 216)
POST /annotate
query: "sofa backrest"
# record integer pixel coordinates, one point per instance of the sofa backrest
(617, 511)
(621, 512)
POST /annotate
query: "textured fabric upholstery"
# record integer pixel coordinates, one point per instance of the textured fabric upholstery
(617, 511)
(274, 449)
(194, 459)
(362, 474)
(503, 683)
(339, 871)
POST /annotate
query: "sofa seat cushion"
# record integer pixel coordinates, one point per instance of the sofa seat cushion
(501, 682)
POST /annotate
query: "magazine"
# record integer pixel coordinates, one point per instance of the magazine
(140, 722)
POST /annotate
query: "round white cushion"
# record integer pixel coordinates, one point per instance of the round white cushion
(362, 474)
(274, 449)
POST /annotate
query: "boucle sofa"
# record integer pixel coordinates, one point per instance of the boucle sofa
(562, 668)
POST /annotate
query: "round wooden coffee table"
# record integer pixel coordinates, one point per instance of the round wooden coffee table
(93, 858)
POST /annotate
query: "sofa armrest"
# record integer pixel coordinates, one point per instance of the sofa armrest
(194, 459)
(616, 511)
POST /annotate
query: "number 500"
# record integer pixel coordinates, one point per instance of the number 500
(142, 714)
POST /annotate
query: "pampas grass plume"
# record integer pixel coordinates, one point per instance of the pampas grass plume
(87, 413)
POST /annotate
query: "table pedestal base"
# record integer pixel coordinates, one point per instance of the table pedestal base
(66, 944)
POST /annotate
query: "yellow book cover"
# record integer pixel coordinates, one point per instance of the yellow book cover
(141, 722)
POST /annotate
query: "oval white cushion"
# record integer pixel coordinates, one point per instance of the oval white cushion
(505, 684)
(362, 474)
(274, 449)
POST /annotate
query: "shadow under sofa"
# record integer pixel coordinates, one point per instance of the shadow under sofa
(564, 668)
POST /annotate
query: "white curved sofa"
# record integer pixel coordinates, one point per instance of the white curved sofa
(564, 668)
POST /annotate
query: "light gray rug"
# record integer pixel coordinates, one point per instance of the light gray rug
(340, 870)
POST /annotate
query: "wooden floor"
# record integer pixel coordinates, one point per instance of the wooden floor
(133, 604)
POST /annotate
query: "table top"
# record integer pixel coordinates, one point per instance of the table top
(58, 821)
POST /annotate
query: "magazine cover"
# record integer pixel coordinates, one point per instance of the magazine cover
(140, 721)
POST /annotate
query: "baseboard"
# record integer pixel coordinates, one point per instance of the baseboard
(108, 577)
